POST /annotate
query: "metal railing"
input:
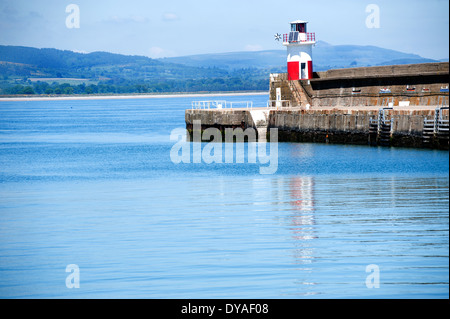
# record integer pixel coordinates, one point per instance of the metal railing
(301, 37)
(221, 104)
(241, 104)
(209, 104)
(278, 103)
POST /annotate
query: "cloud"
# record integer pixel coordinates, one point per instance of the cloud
(130, 19)
(169, 16)
(80, 51)
(35, 15)
(157, 52)
(253, 47)
(11, 14)
(9, 10)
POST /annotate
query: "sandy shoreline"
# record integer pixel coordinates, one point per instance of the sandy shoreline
(115, 97)
(199, 95)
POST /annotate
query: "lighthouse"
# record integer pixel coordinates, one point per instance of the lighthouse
(299, 45)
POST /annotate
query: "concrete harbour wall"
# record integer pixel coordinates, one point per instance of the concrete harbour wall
(220, 119)
(401, 128)
(404, 128)
(414, 84)
(397, 105)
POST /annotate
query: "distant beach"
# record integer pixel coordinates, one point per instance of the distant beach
(129, 96)
(194, 95)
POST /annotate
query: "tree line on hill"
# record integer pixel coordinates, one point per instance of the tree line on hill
(25, 70)
(110, 87)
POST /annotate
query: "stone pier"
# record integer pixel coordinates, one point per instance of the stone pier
(398, 105)
(403, 127)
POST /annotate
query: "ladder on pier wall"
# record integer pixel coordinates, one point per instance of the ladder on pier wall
(380, 129)
(436, 129)
(443, 130)
(385, 132)
(373, 131)
(428, 131)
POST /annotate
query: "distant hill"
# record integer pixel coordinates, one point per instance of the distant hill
(35, 62)
(325, 57)
(269, 59)
(64, 59)
(26, 70)
(27, 61)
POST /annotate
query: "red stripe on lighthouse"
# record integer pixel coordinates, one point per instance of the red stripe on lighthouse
(310, 70)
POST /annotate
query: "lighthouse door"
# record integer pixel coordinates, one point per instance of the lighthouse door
(303, 71)
(293, 70)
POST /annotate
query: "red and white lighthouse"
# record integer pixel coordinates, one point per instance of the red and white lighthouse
(299, 45)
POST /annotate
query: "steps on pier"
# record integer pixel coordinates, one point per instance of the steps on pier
(260, 121)
(298, 93)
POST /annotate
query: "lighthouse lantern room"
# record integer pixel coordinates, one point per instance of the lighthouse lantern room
(299, 45)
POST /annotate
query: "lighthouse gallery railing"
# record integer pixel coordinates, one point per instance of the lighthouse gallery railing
(295, 36)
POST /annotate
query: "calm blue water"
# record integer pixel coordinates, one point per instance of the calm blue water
(91, 183)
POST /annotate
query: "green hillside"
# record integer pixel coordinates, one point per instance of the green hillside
(26, 70)
(58, 63)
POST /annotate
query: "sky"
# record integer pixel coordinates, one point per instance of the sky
(167, 28)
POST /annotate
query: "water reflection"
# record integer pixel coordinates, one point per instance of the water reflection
(302, 226)
(302, 220)
(301, 151)
(302, 194)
